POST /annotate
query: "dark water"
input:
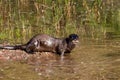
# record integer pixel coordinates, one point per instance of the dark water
(91, 60)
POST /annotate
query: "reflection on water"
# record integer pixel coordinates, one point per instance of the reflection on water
(91, 60)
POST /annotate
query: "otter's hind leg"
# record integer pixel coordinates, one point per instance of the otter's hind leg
(30, 48)
(33, 46)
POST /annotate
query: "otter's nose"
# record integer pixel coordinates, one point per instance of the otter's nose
(75, 41)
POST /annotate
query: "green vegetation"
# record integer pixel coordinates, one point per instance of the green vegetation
(21, 19)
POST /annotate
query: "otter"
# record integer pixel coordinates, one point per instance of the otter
(46, 43)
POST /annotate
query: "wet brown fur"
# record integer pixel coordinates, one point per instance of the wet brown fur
(45, 43)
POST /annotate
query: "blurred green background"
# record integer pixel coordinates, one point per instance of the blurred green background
(21, 19)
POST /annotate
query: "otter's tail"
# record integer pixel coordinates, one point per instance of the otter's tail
(20, 47)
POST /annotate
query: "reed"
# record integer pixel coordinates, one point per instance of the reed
(21, 19)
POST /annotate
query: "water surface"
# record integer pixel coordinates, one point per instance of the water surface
(90, 60)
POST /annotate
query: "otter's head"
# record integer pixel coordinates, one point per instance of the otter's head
(74, 38)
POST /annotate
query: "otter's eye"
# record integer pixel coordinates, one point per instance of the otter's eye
(73, 36)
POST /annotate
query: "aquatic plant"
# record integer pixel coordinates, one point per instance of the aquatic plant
(21, 19)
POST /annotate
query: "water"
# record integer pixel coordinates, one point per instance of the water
(91, 60)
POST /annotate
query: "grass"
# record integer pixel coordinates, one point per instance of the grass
(21, 19)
